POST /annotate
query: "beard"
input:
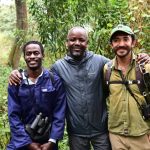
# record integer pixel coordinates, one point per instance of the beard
(122, 51)
(77, 55)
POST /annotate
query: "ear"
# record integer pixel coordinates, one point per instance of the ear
(134, 42)
(43, 56)
(111, 45)
(66, 44)
(87, 41)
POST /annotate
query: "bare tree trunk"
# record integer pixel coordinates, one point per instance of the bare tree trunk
(21, 26)
(138, 8)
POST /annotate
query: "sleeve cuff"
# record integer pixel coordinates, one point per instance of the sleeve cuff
(52, 140)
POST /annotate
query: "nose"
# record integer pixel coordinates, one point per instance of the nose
(77, 42)
(121, 43)
(32, 55)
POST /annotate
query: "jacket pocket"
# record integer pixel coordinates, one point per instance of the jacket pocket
(48, 93)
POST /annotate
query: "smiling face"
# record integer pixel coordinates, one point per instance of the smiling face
(77, 41)
(122, 44)
(33, 56)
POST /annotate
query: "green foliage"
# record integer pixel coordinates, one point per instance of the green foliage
(139, 16)
(63, 144)
(4, 127)
(55, 18)
(7, 19)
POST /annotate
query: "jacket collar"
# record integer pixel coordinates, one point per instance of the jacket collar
(44, 74)
(70, 60)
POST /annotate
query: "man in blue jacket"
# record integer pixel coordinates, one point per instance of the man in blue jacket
(39, 92)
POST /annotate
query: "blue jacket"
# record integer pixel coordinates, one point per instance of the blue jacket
(26, 101)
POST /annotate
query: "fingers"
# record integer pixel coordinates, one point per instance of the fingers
(44, 147)
(47, 146)
(143, 58)
(15, 77)
(34, 146)
(14, 81)
(147, 61)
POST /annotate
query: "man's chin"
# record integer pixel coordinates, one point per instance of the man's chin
(77, 56)
(33, 68)
(122, 53)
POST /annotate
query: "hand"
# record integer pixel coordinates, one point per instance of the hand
(34, 146)
(47, 146)
(143, 58)
(15, 77)
(148, 137)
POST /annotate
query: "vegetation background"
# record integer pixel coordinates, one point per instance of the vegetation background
(49, 21)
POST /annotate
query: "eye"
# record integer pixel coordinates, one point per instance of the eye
(82, 40)
(72, 39)
(36, 53)
(115, 40)
(28, 53)
(126, 39)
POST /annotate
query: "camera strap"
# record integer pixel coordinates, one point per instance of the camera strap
(130, 91)
(144, 112)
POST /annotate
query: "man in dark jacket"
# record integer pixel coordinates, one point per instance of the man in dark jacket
(38, 93)
(81, 71)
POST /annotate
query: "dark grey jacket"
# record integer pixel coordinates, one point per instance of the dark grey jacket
(86, 114)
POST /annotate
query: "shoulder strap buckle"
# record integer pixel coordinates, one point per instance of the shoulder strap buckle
(142, 67)
(146, 93)
(130, 82)
(107, 82)
(138, 82)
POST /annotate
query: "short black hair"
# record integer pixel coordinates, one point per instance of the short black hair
(33, 42)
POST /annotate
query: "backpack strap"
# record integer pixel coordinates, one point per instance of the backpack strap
(108, 73)
(142, 79)
(51, 75)
(144, 87)
(139, 78)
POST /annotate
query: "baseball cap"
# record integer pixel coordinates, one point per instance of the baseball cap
(122, 28)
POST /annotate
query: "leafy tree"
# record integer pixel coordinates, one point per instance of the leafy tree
(139, 19)
(54, 18)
